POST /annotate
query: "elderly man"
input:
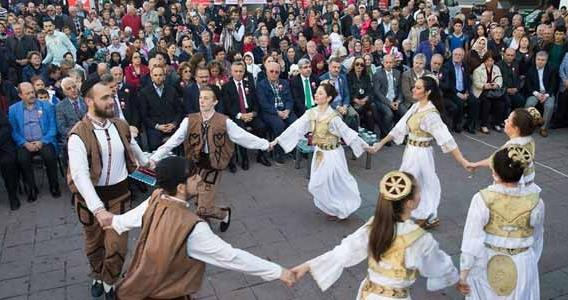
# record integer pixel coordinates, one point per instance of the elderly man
(19, 46)
(410, 76)
(261, 50)
(276, 103)
(34, 131)
(386, 85)
(510, 71)
(70, 110)
(541, 86)
(57, 44)
(455, 84)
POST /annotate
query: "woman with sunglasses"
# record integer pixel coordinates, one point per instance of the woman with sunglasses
(361, 91)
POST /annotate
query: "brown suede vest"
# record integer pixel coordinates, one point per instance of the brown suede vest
(221, 148)
(160, 267)
(85, 131)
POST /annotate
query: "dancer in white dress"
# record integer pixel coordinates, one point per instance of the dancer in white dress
(397, 249)
(334, 189)
(519, 127)
(503, 234)
(423, 124)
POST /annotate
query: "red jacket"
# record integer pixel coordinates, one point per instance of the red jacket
(133, 22)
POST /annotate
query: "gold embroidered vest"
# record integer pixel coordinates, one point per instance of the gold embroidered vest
(509, 216)
(532, 149)
(394, 257)
(415, 120)
(320, 130)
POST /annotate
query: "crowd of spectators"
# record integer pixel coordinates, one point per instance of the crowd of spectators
(264, 64)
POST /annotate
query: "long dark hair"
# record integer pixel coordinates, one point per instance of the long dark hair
(435, 96)
(387, 214)
(526, 122)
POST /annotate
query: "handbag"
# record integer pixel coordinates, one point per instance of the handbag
(496, 93)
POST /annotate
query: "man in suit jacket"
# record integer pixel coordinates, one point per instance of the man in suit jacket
(276, 103)
(34, 131)
(542, 85)
(455, 85)
(161, 110)
(190, 94)
(410, 76)
(70, 110)
(19, 46)
(126, 106)
(241, 104)
(8, 161)
(301, 83)
(342, 102)
(388, 96)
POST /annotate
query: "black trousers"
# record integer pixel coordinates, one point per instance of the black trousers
(155, 138)
(256, 127)
(560, 118)
(47, 153)
(456, 108)
(10, 174)
(493, 108)
(367, 114)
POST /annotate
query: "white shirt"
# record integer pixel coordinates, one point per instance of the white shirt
(390, 90)
(204, 245)
(111, 173)
(540, 79)
(120, 114)
(244, 95)
(236, 135)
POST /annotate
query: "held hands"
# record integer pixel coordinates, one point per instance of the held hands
(463, 287)
(271, 145)
(151, 164)
(104, 218)
(301, 270)
(288, 277)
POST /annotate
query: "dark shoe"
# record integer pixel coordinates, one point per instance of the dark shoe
(543, 132)
(245, 164)
(470, 129)
(97, 289)
(14, 203)
(55, 192)
(232, 167)
(225, 225)
(32, 195)
(110, 294)
(389, 144)
(457, 129)
(261, 159)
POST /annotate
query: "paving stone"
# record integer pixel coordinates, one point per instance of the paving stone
(48, 263)
(14, 269)
(53, 294)
(274, 290)
(78, 291)
(241, 294)
(15, 238)
(47, 280)
(226, 282)
(14, 287)
(20, 253)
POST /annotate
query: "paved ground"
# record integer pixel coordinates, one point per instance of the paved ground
(41, 253)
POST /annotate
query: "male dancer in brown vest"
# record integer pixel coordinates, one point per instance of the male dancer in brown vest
(208, 139)
(101, 154)
(174, 244)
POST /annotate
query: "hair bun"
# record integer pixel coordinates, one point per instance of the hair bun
(519, 154)
(537, 119)
(395, 186)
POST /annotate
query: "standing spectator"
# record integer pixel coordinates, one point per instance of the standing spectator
(160, 108)
(487, 80)
(542, 85)
(557, 49)
(414, 34)
(561, 115)
(57, 44)
(132, 20)
(19, 46)
(77, 25)
(457, 39)
(431, 46)
(34, 131)
(8, 161)
(456, 84)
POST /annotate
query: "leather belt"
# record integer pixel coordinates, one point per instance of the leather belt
(370, 287)
(415, 143)
(327, 146)
(507, 251)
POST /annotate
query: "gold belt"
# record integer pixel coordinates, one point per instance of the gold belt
(327, 146)
(507, 250)
(415, 143)
(370, 287)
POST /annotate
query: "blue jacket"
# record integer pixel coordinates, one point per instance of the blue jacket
(266, 96)
(343, 90)
(47, 123)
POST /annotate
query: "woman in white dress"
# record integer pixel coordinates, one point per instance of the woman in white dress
(422, 124)
(397, 249)
(334, 189)
(519, 127)
(503, 234)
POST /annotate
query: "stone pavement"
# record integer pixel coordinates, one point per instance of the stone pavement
(41, 254)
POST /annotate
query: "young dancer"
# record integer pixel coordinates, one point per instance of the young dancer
(423, 124)
(503, 234)
(397, 249)
(334, 189)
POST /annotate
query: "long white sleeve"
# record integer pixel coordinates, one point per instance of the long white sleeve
(175, 140)
(400, 130)
(131, 219)
(79, 168)
(433, 124)
(204, 245)
(294, 133)
(537, 222)
(141, 158)
(244, 138)
(474, 236)
(433, 263)
(350, 136)
(327, 268)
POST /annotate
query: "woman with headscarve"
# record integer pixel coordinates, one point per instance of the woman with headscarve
(475, 55)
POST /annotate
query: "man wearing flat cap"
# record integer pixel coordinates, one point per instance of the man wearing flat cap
(101, 155)
(175, 244)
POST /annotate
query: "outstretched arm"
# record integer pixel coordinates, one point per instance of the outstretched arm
(244, 138)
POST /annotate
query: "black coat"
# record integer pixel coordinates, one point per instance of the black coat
(128, 104)
(160, 110)
(448, 82)
(230, 98)
(297, 87)
(7, 145)
(550, 80)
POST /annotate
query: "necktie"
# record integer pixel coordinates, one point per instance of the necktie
(116, 108)
(204, 131)
(76, 108)
(241, 98)
(308, 94)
